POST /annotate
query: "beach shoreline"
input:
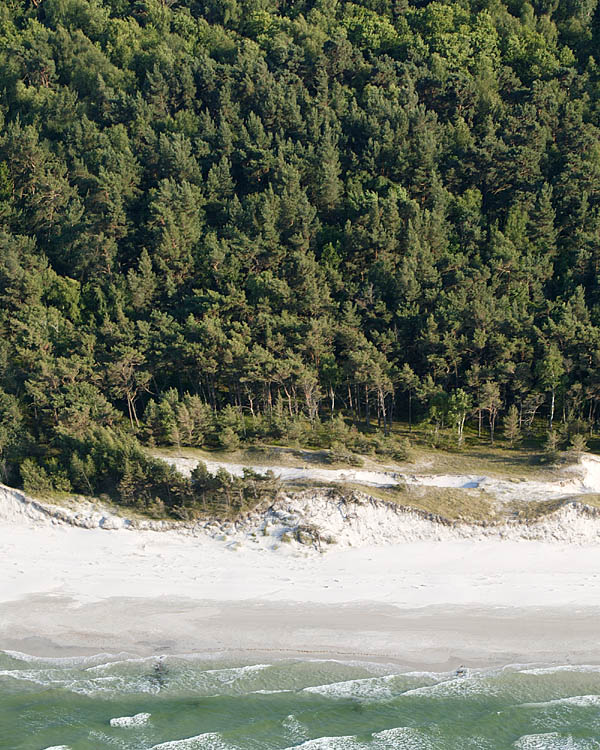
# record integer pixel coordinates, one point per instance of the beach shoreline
(436, 598)
(433, 638)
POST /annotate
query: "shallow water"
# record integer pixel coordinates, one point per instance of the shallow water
(193, 703)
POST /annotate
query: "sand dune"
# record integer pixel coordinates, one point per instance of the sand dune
(394, 582)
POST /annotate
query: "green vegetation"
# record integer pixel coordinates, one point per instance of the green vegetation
(114, 465)
(445, 502)
(261, 221)
(538, 509)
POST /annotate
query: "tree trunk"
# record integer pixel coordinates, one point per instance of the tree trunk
(129, 410)
(381, 417)
(289, 400)
(520, 415)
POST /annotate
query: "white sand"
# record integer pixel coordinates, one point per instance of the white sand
(428, 594)
(92, 564)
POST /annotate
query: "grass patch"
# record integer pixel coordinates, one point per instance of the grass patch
(480, 460)
(536, 510)
(262, 455)
(500, 463)
(453, 504)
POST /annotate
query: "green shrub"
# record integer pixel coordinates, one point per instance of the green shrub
(35, 478)
(578, 444)
(339, 453)
(229, 439)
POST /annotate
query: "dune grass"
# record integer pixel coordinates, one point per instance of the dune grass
(534, 511)
(450, 503)
(499, 462)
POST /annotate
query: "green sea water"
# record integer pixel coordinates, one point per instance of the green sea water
(195, 703)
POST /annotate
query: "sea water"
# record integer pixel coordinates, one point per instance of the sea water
(196, 703)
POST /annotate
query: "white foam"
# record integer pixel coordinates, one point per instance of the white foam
(330, 743)
(376, 667)
(64, 661)
(58, 747)
(476, 684)
(110, 678)
(57, 678)
(405, 738)
(231, 674)
(104, 666)
(296, 729)
(138, 720)
(561, 668)
(398, 738)
(553, 741)
(208, 741)
(424, 674)
(574, 700)
(367, 687)
(440, 689)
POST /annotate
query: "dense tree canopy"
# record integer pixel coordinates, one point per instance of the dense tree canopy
(241, 219)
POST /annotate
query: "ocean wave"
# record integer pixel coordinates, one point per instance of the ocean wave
(137, 720)
(229, 675)
(561, 668)
(208, 741)
(437, 676)
(139, 676)
(454, 687)
(554, 741)
(575, 700)
(366, 687)
(108, 741)
(404, 738)
(54, 678)
(107, 665)
(296, 728)
(64, 661)
(377, 667)
(330, 743)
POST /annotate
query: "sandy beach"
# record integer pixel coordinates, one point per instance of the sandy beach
(427, 603)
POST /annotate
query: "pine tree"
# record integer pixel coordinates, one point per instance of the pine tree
(512, 429)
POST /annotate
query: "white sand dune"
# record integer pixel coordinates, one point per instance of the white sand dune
(379, 555)
(395, 584)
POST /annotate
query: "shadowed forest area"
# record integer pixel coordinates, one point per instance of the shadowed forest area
(236, 221)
